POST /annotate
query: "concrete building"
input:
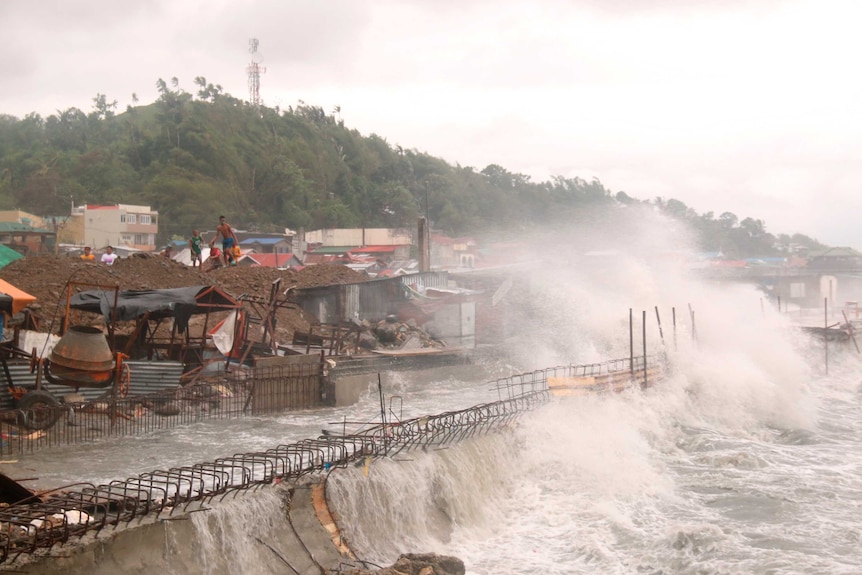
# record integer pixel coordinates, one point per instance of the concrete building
(384, 243)
(357, 237)
(118, 225)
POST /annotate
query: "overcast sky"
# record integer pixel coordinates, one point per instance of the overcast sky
(751, 107)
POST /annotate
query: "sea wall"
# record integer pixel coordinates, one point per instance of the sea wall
(274, 529)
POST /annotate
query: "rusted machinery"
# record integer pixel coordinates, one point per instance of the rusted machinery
(81, 358)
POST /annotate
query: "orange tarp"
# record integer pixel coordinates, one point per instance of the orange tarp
(20, 298)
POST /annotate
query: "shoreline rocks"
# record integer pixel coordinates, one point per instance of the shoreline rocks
(416, 564)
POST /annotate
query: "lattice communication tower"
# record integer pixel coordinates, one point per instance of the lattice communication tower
(254, 72)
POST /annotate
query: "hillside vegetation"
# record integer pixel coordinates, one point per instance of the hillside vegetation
(195, 156)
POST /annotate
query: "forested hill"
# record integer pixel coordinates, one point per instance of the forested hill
(195, 156)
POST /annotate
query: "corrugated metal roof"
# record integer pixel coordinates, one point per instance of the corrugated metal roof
(19, 227)
(274, 260)
(332, 250)
(374, 250)
(841, 251)
(314, 259)
(263, 241)
(145, 377)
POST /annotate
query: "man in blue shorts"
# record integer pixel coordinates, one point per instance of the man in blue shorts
(228, 240)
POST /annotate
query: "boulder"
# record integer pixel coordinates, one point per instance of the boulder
(416, 564)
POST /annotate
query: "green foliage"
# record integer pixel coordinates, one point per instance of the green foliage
(195, 156)
(735, 238)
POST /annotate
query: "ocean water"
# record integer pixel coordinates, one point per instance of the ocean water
(746, 459)
(666, 481)
(728, 466)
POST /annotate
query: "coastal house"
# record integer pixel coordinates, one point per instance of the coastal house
(131, 227)
(267, 245)
(26, 239)
(382, 253)
(383, 243)
(835, 259)
(449, 253)
(359, 237)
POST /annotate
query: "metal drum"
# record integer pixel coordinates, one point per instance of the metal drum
(82, 358)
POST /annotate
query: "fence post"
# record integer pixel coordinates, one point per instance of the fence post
(643, 320)
(631, 344)
(826, 332)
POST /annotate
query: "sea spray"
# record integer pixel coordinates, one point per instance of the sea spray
(419, 501)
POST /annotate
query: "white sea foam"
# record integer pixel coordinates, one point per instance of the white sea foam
(744, 460)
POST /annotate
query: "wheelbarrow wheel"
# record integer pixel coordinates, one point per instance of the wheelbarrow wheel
(39, 410)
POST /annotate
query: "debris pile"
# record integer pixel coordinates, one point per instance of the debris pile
(390, 334)
(48, 277)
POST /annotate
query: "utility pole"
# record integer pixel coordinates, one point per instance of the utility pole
(254, 71)
(428, 233)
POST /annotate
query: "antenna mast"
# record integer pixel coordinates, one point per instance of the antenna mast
(254, 72)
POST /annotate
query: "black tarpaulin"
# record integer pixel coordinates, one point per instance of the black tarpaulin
(179, 303)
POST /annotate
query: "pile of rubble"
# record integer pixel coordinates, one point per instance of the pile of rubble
(48, 279)
(389, 334)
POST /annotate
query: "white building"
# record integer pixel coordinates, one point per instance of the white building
(119, 225)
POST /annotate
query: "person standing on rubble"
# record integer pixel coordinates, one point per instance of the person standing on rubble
(228, 239)
(88, 256)
(196, 248)
(109, 257)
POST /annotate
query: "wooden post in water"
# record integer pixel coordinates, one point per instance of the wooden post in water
(643, 320)
(673, 314)
(660, 331)
(382, 413)
(850, 330)
(424, 241)
(826, 333)
(693, 328)
(631, 344)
